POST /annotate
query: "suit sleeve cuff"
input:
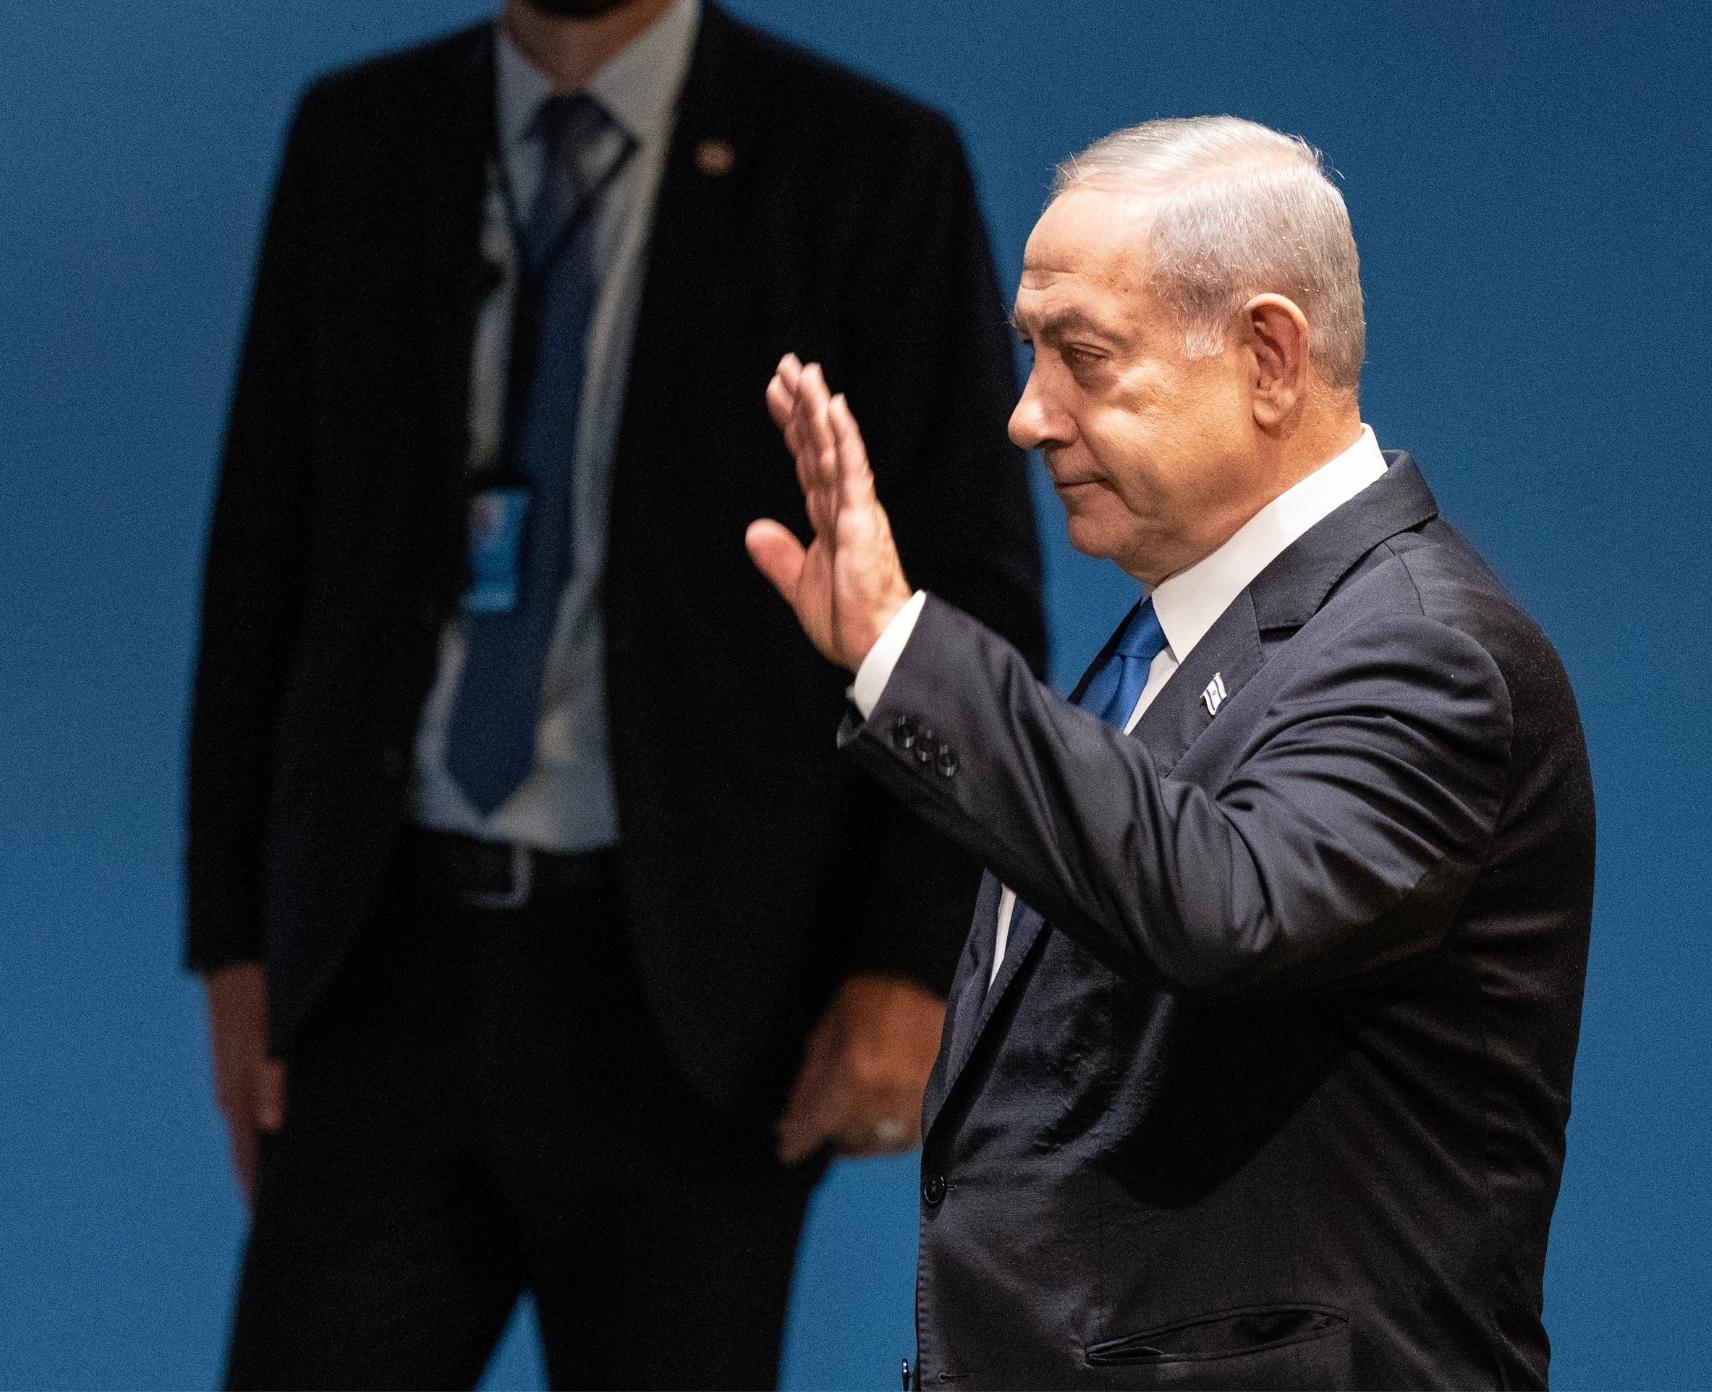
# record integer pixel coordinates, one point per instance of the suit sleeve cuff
(876, 668)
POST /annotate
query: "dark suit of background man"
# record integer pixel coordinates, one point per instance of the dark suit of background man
(529, 891)
(1257, 1066)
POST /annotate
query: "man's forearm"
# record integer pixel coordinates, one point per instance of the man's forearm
(1291, 887)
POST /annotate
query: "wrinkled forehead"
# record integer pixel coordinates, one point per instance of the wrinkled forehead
(1089, 242)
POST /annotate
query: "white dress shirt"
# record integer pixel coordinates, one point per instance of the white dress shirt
(1187, 604)
(566, 803)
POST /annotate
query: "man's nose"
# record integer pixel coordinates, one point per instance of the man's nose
(1033, 423)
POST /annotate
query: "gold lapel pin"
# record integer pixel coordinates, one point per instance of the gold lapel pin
(715, 157)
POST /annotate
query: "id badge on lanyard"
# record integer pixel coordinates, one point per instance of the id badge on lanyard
(499, 513)
(498, 508)
(498, 523)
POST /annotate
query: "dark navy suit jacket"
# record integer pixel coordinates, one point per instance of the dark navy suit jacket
(842, 226)
(1270, 1090)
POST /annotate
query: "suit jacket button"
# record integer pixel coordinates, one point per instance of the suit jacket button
(926, 746)
(903, 733)
(947, 762)
(933, 1190)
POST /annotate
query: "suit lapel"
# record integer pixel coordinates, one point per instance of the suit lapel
(974, 1001)
(686, 278)
(451, 157)
(1230, 651)
(690, 302)
(964, 998)
(1285, 595)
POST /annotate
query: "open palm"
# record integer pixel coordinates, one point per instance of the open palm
(848, 583)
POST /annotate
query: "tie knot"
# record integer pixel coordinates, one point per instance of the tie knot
(568, 120)
(578, 156)
(1142, 637)
(573, 127)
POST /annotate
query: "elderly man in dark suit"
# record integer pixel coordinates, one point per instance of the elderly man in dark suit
(549, 944)
(1258, 1059)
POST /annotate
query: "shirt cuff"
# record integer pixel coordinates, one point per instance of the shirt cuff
(876, 668)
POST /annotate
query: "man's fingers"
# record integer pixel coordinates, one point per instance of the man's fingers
(270, 1095)
(246, 1150)
(816, 1119)
(855, 478)
(811, 1077)
(825, 440)
(249, 1087)
(781, 402)
(806, 1124)
(819, 449)
(816, 453)
(253, 1103)
(793, 397)
(879, 1117)
(851, 571)
(797, 431)
(862, 1118)
(777, 554)
(798, 400)
(782, 393)
(799, 1136)
(246, 1147)
(887, 1135)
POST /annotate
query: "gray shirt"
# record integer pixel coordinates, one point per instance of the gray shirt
(566, 803)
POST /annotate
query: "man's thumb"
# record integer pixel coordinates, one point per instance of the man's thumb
(777, 554)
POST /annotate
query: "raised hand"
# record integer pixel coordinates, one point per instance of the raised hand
(848, 583)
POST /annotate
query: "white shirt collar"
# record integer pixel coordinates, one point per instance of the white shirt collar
(1190, 602)
(638, 86)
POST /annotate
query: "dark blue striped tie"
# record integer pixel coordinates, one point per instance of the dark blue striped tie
(491, 740)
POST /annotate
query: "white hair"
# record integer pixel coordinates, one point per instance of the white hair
(1241, 210)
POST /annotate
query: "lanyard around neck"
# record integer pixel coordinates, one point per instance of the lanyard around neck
(574, 224)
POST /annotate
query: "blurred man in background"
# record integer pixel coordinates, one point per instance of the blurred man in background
(548, 946)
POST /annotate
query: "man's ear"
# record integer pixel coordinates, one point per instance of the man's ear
(1276, 333)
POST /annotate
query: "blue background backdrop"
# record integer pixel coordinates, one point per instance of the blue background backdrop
(1528, 189)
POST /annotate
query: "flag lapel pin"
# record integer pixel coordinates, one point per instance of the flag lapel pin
(715, 158)
(1214, 695)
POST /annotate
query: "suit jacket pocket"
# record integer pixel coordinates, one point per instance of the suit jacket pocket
(1254, 1346)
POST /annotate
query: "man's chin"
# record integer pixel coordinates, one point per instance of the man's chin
(1092, 538)
(1104, 542)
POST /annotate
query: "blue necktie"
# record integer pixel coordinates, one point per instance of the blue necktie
(491, 741)
(1113, 690)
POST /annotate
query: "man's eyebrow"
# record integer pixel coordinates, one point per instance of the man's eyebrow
(1059, 323)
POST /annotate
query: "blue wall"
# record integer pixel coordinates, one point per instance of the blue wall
(1528, 189)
